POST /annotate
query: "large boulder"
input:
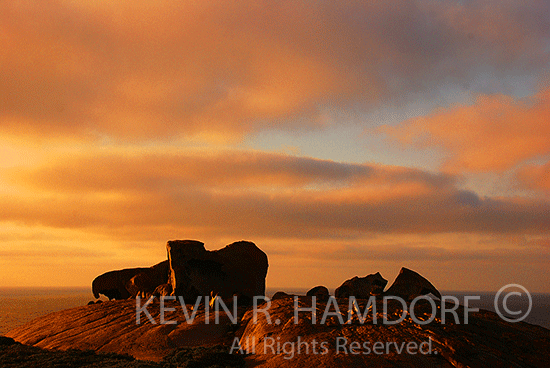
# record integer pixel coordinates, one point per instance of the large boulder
(320, 292)
(362, 287)
(238, 269)
(129, 282)
(145, 283)
(112, 284)
(410, 284)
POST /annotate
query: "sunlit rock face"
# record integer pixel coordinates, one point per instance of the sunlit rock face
(362, 287)
(484, 341)
(239, 269)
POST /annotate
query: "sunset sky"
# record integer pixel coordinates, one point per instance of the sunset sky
(342, 137)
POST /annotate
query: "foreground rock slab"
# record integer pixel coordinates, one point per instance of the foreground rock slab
(485, 341)
(111, 327)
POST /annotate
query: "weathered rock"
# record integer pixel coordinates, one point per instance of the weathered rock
(410, 284)
(485, 341)
(129, 282)
(239, 268)
(362, 287)
(112, 327)
(145, 283)
(112, 284)
(163, 290)
(320, 292)
(281, 295)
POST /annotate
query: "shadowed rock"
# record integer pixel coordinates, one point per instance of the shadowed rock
(145, 283)
(112, 284)
(362, 287)
(163, 290)
(239, 268)
(129, 282)
(320, 292)
(409, 285)
(281, 295)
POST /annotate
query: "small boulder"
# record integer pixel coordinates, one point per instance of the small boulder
(5, 341)
(320, 292)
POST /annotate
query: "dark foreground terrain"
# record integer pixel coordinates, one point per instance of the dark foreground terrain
(14, 354)
(107, 335)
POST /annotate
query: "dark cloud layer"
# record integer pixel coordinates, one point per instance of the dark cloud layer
(259, 195)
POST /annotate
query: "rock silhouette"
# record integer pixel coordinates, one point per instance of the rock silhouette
(409, 285)
(145, 282)
(112, 284)
(239, 269)
(362, 287)
(190, 271)
(320, 292)
(120, 326)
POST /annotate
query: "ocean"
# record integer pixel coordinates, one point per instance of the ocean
(20, 305)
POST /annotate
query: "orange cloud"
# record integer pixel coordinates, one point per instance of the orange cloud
(536, 177)
(494, 134)
(254, 194)
(223, 69)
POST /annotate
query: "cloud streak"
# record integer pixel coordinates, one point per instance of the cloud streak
(258, 195)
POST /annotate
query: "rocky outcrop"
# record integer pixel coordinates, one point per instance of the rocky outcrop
(407, 286)
(485, 341)
(320, 292)
(238, 269)
(281, 295)
(112, 284)
(112, 327)
(129, 282)
(410, 284)
(191, 271)
(145, 283)
(362, 287)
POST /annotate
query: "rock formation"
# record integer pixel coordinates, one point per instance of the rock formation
(129, 282)
(145, 283)
(409, 285)
(362, 287)
(239, 268)
(485, 341)
(320, 292)
(191, 271)
(281, 295)
(112, 284)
